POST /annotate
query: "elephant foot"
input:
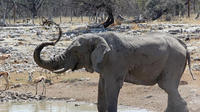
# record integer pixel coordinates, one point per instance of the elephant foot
(177, 110)
(177, 107)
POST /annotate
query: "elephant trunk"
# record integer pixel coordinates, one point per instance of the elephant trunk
(52, 64)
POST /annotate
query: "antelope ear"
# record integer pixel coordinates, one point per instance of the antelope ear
(98, 54)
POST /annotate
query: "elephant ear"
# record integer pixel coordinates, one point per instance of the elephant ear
(98, 54)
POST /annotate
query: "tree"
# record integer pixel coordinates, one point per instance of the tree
(154, 9)
(5, 7)
(149, 9)
(32, 5)
(188, 3)
(92, 6)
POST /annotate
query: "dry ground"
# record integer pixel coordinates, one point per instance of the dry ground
(148, 97)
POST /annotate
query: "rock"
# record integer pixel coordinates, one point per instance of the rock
(160, 28)
(29, 94)
(12, 36)
(197, 30)
(5, 50)
(23, 97)
(192, 48)
(2, 22)
(21, 39)
(148, 96)
(19, 43)
(92, 26)
(16, 94)
(187, 39)
(1, 100)
(16, 85)
(67, 38)
(54, 39)
(38, 33)
(37, 97)
(2, 39)
(13, 97)
(175, 31)
(84, 79)
(42, 97)
(196, 67)
(76, 105)
(168, 18)
(183, 83)
(70, 100)
(196, 59)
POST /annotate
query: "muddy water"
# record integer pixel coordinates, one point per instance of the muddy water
(60, 106)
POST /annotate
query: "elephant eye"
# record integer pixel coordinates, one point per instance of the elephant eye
(76, 52)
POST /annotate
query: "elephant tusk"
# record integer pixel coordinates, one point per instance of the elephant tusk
(60, 70)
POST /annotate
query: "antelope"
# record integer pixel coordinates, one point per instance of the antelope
(4, 56)
(30, 76)
(5, 75)
(27, 21)
(42, 79)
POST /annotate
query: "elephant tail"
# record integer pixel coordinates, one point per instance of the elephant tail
(188, 59)
(189, 65)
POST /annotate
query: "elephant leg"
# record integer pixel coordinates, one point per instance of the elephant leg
(175, 102)
(36, 88)
(101, 96)
(112, 88)
(7, 83)
(44, 88)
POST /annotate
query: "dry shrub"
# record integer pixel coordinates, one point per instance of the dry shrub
(177, 20)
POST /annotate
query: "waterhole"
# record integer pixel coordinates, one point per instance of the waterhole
(58, 106)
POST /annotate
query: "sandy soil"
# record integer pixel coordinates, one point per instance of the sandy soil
(149, 97)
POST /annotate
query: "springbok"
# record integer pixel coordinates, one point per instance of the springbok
(4, 56)
(42, 79)
(5, 75)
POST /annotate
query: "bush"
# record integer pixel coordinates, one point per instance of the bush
(156, 8)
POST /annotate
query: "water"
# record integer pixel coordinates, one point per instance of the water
(58, 106)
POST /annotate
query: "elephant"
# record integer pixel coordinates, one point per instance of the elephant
(149, 59)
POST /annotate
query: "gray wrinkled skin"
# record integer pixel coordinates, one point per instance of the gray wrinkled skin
(154, 58)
